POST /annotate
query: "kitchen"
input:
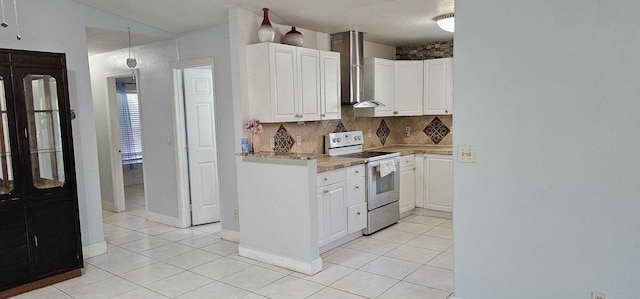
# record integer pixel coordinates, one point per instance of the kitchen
(303, 180)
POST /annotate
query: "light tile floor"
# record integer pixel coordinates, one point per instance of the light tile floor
(412, 259)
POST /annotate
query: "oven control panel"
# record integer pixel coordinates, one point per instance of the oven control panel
(342, 139)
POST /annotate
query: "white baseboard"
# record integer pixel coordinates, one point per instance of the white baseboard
(94, 249)
(230, 235)
(344, 240)
(432, 213)
(164, 219)
(308, 268)
(109, 206)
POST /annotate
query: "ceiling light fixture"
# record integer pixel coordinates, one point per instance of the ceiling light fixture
(131, 62)
(446, 22)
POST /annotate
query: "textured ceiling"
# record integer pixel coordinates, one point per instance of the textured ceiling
(390, 22)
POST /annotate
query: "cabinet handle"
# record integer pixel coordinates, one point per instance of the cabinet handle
(414, 168)
(325, 179)
(26, 135)
(323, 115)
(326, 191)
(395, 112)
(358, 213)
(357, 187)
(446, 111)
(357, 171)
(35, 239)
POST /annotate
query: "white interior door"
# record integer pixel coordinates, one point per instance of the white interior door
(201, 142)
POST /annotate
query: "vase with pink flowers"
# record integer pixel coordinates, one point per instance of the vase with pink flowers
(254, 128)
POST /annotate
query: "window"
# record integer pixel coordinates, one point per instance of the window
(130, 130)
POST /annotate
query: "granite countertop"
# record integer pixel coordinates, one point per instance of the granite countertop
(292, 156)
(410, 149)
(327, 163)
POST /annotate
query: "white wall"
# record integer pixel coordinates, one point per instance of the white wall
(156, 108)
(214, 42)
(64, 31)
(377, 50)
(549, 96)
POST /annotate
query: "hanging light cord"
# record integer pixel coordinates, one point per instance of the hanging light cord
(15, 9)
(130, 48)
(4, 22)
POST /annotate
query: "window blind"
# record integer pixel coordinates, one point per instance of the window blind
(130, 128)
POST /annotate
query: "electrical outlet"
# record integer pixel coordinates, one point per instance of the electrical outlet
(236, 216)
(598, 295)
(369, 133)
(272, 143)
(298, 140)
(407, 131)
(466, 154)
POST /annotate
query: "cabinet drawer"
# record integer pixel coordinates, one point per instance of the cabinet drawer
(357, 217)
(408, 160)
(331, 177)
(355, 172)
(356, 191)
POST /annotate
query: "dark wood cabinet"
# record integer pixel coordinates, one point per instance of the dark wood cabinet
(39, 222)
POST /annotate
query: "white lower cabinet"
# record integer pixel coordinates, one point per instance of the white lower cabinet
(333, 220)
(357, 217)
(438, 183)
(407, 183)
(342, 209)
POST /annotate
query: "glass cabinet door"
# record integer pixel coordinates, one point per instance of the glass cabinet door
(6, 167)
(43, 131)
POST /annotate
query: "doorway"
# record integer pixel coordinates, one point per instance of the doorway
(196, 142)
(126, 142)
(130, 129)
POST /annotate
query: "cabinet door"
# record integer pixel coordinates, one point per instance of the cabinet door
(356, 191)
(330, 85)
(379, 84)
(438, 96)
(308, 84)
(335, 211)
(283, 76)
(55, 237)
(438, 183)
(357, 217)
(15, 266)
(408, 88)
(47, 127)
(9, 161)
(407, 189)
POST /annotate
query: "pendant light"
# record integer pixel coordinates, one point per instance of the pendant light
(131, 62)
(15, 10)
(446, 22)
(4, 21)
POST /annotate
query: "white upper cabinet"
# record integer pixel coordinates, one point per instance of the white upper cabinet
(330, 91)
(438, 86)
(379, 82)
(408, 88)
(396, 84)
(285, 83)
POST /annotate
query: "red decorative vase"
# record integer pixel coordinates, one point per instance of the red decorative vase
(293, 37)
(266, 34)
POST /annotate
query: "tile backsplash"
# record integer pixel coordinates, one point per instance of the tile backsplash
(425, 130)
(439, 49)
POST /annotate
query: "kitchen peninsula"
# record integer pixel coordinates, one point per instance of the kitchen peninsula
(280, 216)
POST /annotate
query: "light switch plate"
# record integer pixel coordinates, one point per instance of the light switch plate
(466, 154)
(298, 140)
(272, 143)
(369, 133)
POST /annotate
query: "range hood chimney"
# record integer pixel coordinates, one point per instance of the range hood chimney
(350, 45)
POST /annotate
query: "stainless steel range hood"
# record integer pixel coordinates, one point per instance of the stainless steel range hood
(350, 45)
